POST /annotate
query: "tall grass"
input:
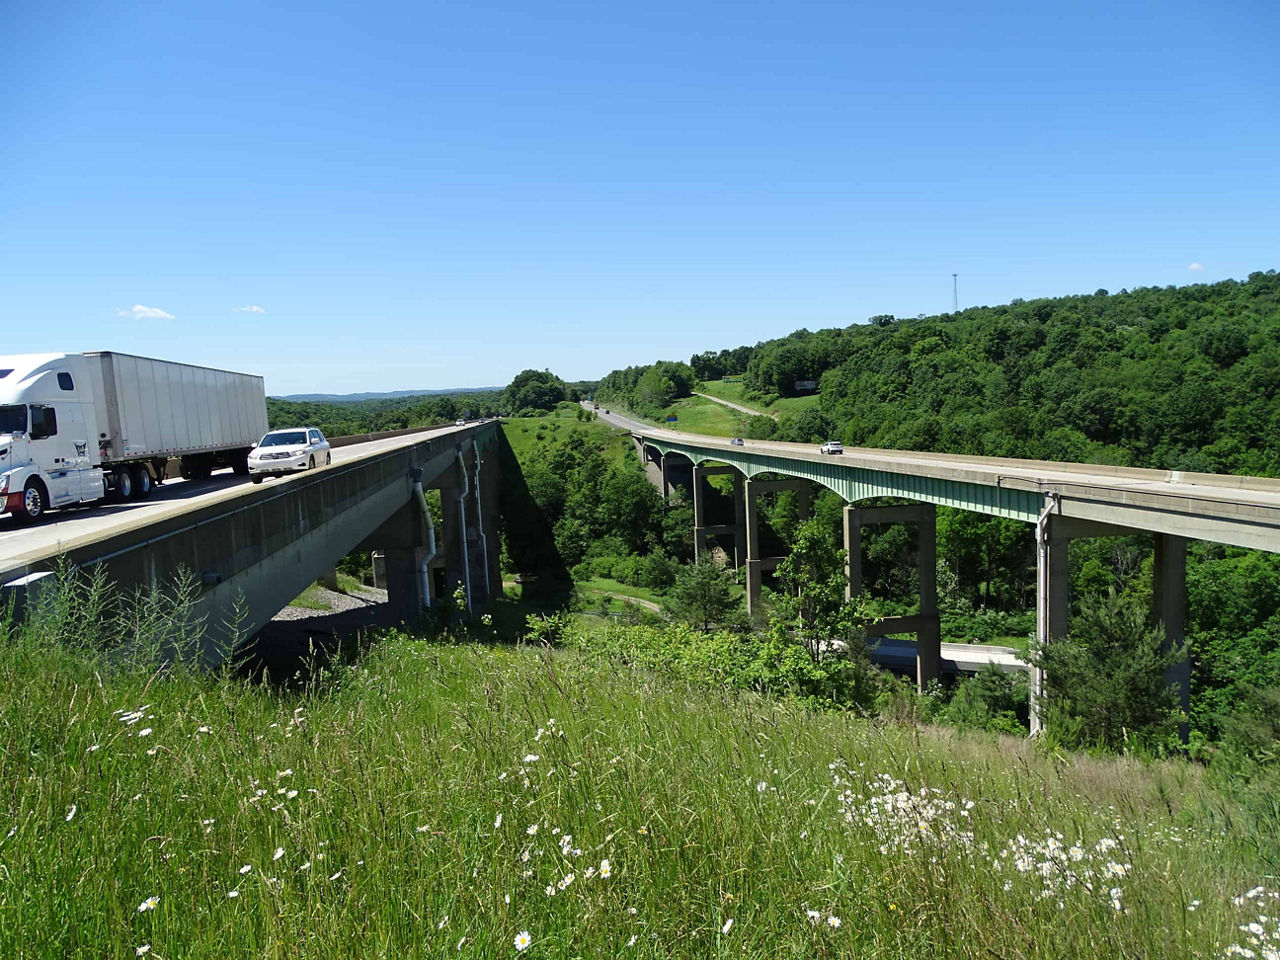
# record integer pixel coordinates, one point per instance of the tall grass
(441, 799)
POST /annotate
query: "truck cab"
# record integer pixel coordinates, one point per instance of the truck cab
(49, 454)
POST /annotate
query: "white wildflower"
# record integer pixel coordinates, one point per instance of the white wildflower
(523, 940)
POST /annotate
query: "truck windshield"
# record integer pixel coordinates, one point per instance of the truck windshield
(13, 418)
(282, 439)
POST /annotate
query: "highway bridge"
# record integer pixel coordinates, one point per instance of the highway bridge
(1064, 501)
(253, 548)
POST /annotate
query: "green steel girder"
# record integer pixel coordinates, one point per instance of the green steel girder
(853, 483)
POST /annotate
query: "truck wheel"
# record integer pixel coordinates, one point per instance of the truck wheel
(258, 479)
(124, 484)
(239, 460)
(141, 481)
(34, 502)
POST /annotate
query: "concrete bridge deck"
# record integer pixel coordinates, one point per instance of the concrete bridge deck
(254, 547)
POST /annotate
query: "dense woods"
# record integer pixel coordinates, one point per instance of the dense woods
(345, 418)
(1179, 378)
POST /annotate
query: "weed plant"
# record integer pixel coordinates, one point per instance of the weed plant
(472, 799)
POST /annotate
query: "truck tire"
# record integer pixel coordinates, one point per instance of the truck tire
(239, 460)
(35, 500)
(141, 481)
(124, 484)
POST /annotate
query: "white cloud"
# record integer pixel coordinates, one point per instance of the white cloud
(251, 308)
(139, 312)
(1195, 266)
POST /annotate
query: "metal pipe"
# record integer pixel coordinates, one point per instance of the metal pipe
(484, 541)
(462, 525)
(424, 571)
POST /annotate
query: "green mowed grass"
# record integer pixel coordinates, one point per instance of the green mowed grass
(442, 799)
(700, 415)
(529, 434)
(734, 393)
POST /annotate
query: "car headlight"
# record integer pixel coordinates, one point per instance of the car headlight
(4, 484)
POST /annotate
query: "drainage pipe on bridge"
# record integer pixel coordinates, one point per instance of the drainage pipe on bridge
(424, 571)
(462, 524)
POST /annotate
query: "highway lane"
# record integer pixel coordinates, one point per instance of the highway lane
(172, 498)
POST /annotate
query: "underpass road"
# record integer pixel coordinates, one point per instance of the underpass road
(172, 498)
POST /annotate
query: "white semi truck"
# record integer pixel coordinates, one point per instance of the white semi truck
(79, 427)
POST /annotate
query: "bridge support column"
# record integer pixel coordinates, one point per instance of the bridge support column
(752, 524)
(1052, 588)
(701, 530)
(1169, 602)
(452, 540)
(379, 560)
(405, 601)
(926, 624)
(756, 564)
(699, 512)
(739, 520)
(329, 579)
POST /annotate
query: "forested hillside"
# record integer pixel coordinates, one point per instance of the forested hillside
(371, 416)
(1176, 377)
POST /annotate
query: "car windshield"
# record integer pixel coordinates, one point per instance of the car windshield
(13, 418)
(292, 438)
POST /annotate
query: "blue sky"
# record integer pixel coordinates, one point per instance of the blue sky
(425, 195)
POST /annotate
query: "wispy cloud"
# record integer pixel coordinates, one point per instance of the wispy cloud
(1195, 266)
(139, 312)
(251, 308)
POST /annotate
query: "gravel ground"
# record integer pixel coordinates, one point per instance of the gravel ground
(297, 638)
(338, 603)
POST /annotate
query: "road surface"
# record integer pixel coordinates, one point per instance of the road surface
(170, 498)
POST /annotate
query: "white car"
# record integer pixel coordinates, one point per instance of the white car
(831, 446)
(459, 423)
(288, 451)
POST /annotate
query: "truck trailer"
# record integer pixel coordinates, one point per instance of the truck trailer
(80, 427)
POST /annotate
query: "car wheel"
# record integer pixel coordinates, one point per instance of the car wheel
(33, 502)
(328, 459)
(311, 464)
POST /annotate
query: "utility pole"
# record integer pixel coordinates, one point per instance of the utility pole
(955, 294)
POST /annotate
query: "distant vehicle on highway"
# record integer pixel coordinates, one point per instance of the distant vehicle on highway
(78, 427)
(738, 442)
(606, 413)
(289, 451)
(831, 446)
(459, 423)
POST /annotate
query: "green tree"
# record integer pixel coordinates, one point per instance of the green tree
(535, 389)
(1105, 682)
(702, 595)
(811, 608)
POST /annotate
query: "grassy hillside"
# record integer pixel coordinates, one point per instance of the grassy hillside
(460, 800)
(700, 415)
(736, 392)
(527, 434)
